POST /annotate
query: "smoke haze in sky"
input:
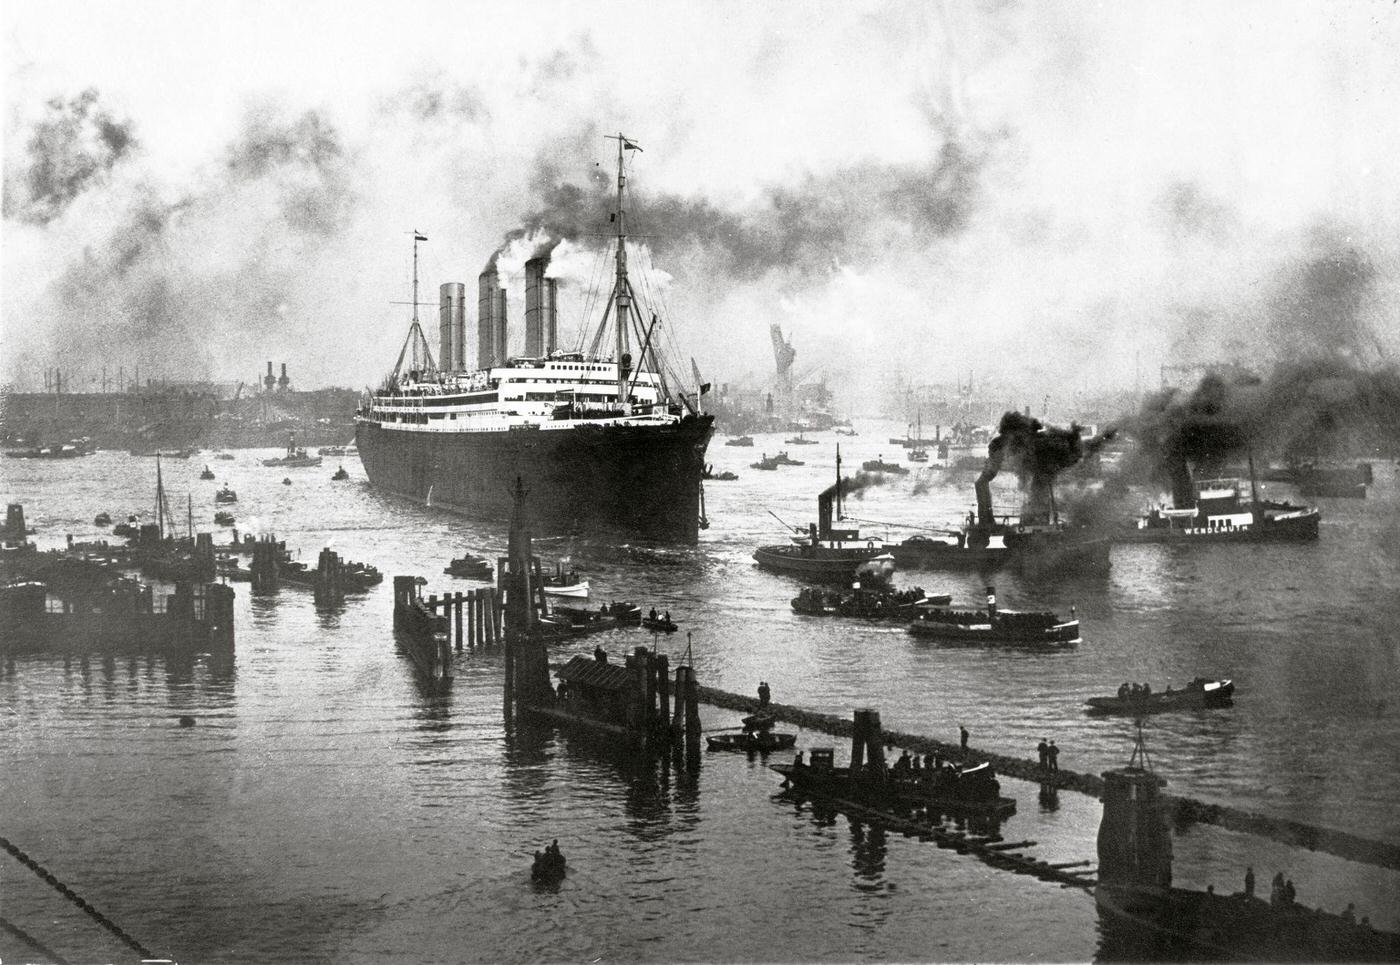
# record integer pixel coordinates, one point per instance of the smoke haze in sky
(1050, 193)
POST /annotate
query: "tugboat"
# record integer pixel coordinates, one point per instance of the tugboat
(340, 475)
(824, 554)
(207, 473)
(102, 519)
(295, 458)
(471, 567)
(740, 441)
(1042, 628)
(223, 518)
(1217, 511)
(725, 476)
(225, 495)
(1131, 699)
(766, 463)
(918, 455)
(801, 440)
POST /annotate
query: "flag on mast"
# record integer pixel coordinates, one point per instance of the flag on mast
(418, 237)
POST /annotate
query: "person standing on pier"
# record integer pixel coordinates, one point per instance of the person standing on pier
(1249, 882)
(1043, 750)
(1052, 754)
(962, 740)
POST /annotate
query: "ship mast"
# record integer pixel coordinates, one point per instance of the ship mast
(622, 297)
(416, 339)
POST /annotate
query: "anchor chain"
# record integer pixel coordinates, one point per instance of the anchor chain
(75, 898)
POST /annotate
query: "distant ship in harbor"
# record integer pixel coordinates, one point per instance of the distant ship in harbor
(602, 442)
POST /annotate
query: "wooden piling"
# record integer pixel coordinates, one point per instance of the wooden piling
(457, 617)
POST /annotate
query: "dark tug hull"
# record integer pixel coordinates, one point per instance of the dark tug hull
(641, 480)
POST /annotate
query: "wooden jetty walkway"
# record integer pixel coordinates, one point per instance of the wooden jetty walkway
(1184, 809)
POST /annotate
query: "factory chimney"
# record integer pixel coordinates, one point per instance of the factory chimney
(486, 318)
(271, 380)
(535, 294)
(283, 382)
(452, 323)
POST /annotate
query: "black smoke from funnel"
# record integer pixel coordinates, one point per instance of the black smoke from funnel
(1038, 453)
(1313, 407)
(70, 150)
(806, 228)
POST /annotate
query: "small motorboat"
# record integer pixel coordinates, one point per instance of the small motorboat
(295, 458)
(471, 567)
(752, 742)
(228, 456)
(223, 518)
(565, 583)
(1201, 693)
(286, 480)
(879, 465)
(103, 519)
(340, 475)
(549, 864)
(918, 455)
(659, 624)
(226, 495)
(739, 441)
(207, 473)
(710, 474)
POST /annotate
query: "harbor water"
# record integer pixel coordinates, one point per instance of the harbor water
(327, 806)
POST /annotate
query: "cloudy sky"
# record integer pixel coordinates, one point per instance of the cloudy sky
(1057, 194)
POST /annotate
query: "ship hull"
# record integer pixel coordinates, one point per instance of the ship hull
(821, 564)
(1034, 558)
(1300, 527)
(641, 480)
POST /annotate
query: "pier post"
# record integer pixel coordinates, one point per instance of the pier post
(662, 676)
(692, 720)
(483, 638)
(470, 616)
(457, 617)
(1135, 842)
(867, 747)
(265, 565)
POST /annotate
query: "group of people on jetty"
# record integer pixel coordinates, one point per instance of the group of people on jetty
(1282, 894)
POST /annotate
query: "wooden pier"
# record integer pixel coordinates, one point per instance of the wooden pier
(1294, 833)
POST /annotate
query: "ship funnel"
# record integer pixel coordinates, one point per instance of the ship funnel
(487, 286)
(551, 315)
(502, 332)
(535, 297)
(452, 324)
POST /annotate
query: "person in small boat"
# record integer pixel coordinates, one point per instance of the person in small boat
(600, 655)
(667, 617)
(1043, 750)
(1052, 755)
(1249, 882)
(652, 614)
(1123, 691)
(764, 694)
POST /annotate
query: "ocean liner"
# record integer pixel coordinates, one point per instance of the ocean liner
(601, 444)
